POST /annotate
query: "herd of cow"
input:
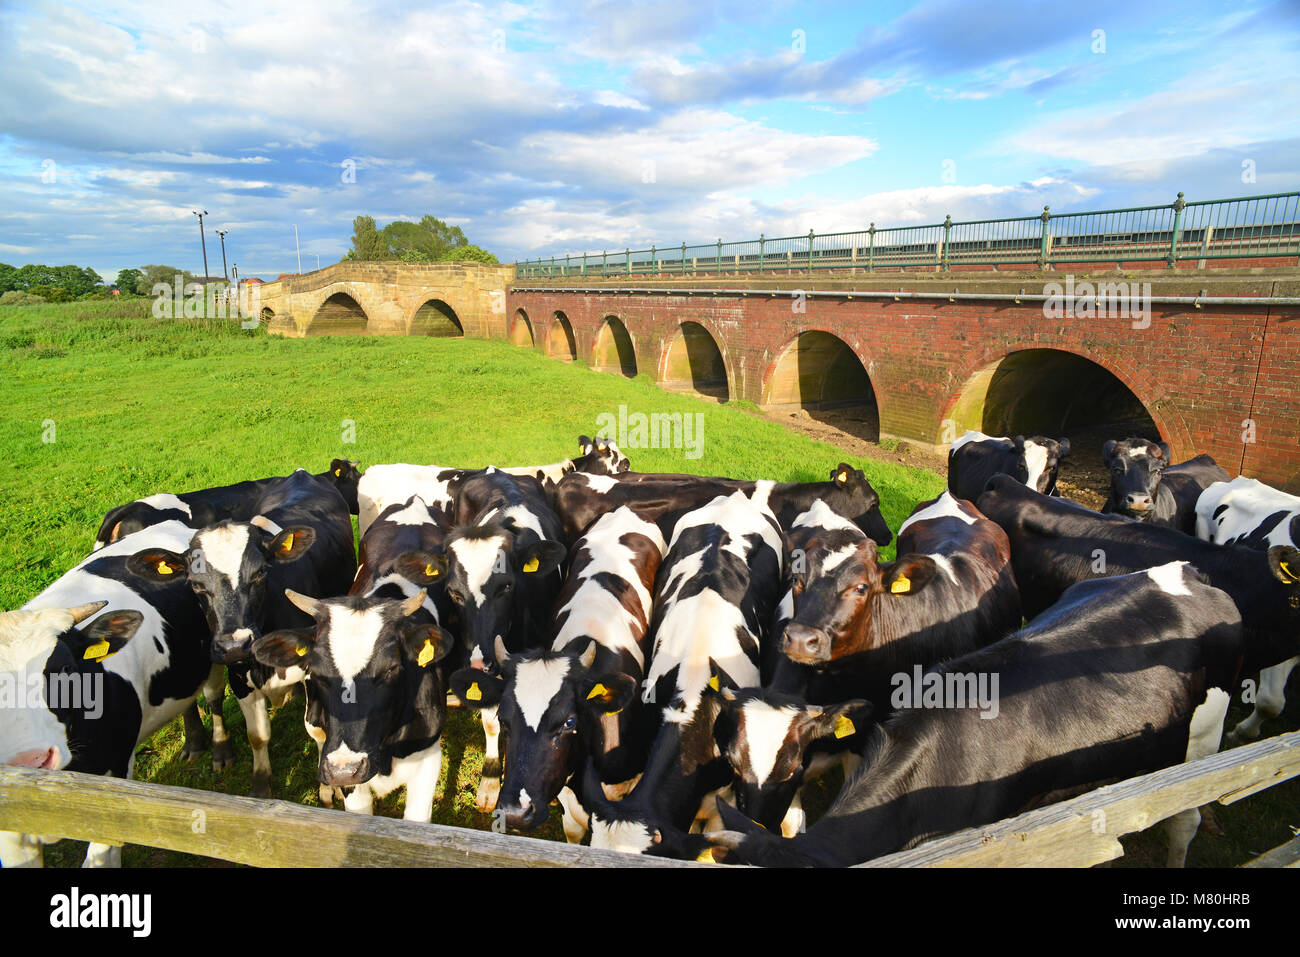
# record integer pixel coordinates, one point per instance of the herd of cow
(672, 657)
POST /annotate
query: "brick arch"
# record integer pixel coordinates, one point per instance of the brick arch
(521, 330)
(614, 349)
(973, 378)
(819, 372)
(694, 359)
(561, 342)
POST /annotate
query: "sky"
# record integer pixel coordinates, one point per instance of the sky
(552, 128)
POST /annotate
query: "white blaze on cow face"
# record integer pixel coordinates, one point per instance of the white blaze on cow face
(766, 729)
(536, 685)
(478, 558)
(1036, 462)
(944, 507)
(27, 639)
(353, 636)
(223, 549)
(1170, 578)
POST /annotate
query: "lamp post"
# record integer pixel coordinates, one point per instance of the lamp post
(225, 273)
(297, 247)
(204, 243)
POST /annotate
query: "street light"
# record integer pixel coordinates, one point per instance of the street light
(297, 247)
(225, 273)
(204, 242)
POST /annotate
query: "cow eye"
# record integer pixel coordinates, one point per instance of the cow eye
(457, 597)
(860, 588)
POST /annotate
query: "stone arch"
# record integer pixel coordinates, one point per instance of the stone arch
(338, 314)
(521, 331)
(267, 315)
(820, 374)
(560, 343)
(693, 362)
(614, 351)
(1059, 393)
(436, 318)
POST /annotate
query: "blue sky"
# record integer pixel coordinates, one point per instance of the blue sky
(549, 128)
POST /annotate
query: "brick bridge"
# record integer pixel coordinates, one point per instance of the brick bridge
(1214, 366)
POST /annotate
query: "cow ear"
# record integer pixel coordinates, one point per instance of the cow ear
(426, 644)
(584, 444)
(1107, 451)
(608, 693)
(476, 688)
(285, 648)
(720, 683)
(291, 544)
(909, 574)
(843, 474)
(108, 634)
(422, 568)
(1166, 451)
(541, 558)
(837, 721)
(343, 468)
(1063, 449)
(1284, 563)
(157, 565)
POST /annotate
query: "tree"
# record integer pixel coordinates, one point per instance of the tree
(128, 281)
(367, 242)
(471, 254)
(429, 240)
(163, 274)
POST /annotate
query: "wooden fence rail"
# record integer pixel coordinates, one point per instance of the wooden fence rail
(1076, 833)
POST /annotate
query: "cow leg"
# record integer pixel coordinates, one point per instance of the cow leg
(21, 850)
(196, 736)
(214, 694)
(575, 819)
(1269, 702)
(359, 800)
(1202, 740)
(107, 855)
(258, 724)
(794, 820)
(489, 785)
(422, 784)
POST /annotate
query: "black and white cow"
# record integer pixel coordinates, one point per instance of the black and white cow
(1135, 672)
(1144, 486)
(714, 598)
(578, 701)
(209, 506)
(1248, 512)
(858, 621)
(664, 497)
(500, 565)
(103, 660)
(1055, 543)
(437, 485)
(300, 539)
(372, 678)
(974, 458)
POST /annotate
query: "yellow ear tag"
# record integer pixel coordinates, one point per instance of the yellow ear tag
(844, 727)
(301, 650)
(164, 568)
(427, 653)
(472, 693)
(599, 691)
(431, 571)
(287, 544)
(1286, 570)
(338, 471)
(97, 651)
(901, 585)
(842, 477)
(706, 856)
(713, 682)
(530, 566)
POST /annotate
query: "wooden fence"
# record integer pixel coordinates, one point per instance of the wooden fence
(1076, 833)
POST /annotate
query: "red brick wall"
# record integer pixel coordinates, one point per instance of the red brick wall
(1193, 369)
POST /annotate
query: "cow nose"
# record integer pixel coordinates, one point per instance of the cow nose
(526, 818)
(344, 772)
(232, 648)
(1138, 501)
(806, 645)
(46, 759)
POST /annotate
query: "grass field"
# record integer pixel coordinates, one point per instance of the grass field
(103, 403)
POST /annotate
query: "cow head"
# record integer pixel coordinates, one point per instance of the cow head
(852, 495)
(369, 666)
(47, 659)
(491, 572)
(1042, 457)
(840, 590)
(1135, 468)
(344, 475)
(228, 566)
(600, 456)
(765, 735)
(548, 704)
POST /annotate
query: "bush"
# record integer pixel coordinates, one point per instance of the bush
(16, 297)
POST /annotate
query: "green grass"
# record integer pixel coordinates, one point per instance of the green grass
(142, 405)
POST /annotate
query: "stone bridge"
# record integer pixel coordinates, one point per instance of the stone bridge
(1210, 361)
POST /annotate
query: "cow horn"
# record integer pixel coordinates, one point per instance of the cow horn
(304, 602)
(588, 656)
(412, 604)
(81, 612)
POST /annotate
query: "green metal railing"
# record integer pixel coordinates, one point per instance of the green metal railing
(1241, 228)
